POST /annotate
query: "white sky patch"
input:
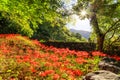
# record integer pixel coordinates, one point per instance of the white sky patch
(115, 1)
(76, 23)
(79, 24)
(69, 3)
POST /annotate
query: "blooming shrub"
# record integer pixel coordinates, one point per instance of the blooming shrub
(24, 59)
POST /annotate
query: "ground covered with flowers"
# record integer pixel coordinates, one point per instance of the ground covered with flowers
(25, 59)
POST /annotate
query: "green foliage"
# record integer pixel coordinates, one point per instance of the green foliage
(8, 71)
(27, 14)
(78, 35)
(57, 33)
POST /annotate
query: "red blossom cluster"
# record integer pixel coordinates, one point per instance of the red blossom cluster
(98, 53)
(43, 61)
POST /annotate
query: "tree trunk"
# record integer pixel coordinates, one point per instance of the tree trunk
(100, 36)
(100, 42)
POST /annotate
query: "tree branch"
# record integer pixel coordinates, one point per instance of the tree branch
(112, 35)
(111, 28)
(115, 40)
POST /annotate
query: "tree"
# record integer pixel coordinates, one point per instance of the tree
(78, 35)
(29, 13)
(104, 17)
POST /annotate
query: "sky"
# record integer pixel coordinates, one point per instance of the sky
(76, 23)
(69, 3)
(79, 24)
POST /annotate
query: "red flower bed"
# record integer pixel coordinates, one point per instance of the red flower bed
(27, 59)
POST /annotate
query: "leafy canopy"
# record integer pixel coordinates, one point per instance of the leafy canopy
(28, 13)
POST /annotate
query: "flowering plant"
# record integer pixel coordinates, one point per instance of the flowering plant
(25, 59)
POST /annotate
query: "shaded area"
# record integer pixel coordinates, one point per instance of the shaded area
(73, 45)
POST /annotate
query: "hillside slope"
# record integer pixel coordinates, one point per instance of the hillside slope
(25, 59)
(85, 34)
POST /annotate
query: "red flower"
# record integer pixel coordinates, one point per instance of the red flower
(18, 57)
(54, 58)
(97, 53)
(26, 58)
(82, 54)
(70, 72)
(36, 54)
(77, 72)
(57, 64)
(29, 51)
(81, 60)
(47, 72)
(32, 69)
(19, 60)
(42, 74)
(34, 63)
(48, 64)
(116, 57)
(56, 76)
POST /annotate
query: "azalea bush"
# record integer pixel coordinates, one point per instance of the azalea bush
(25, 59)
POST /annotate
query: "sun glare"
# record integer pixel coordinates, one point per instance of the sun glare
(83, 12)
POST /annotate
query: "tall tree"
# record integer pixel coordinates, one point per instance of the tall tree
(103, 14)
